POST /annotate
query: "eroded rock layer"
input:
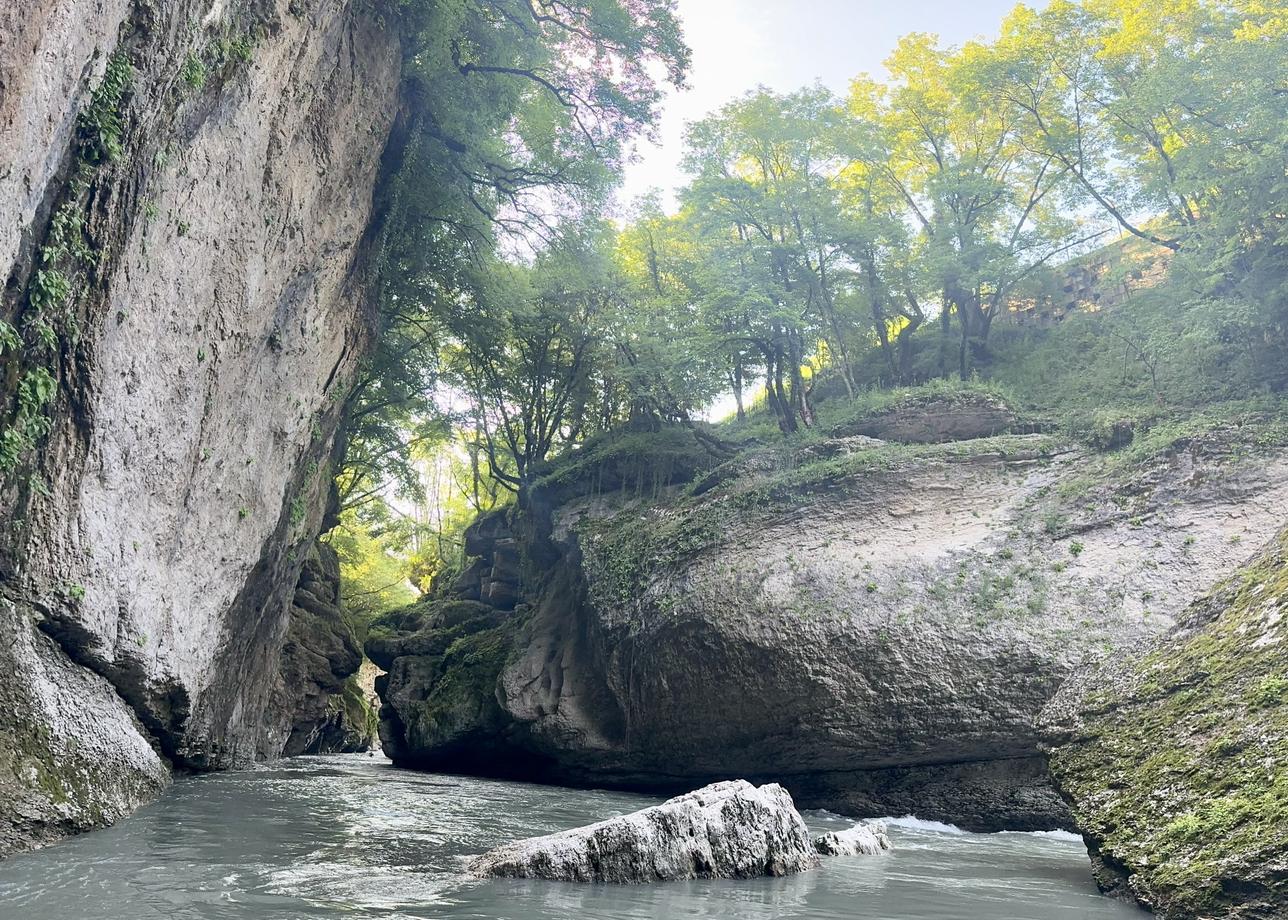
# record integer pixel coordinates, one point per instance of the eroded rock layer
(877, 626)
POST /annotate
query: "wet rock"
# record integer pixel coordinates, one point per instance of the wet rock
(896, 622)
(860, 840)
(725, 830)
(320, 657)
(185, 466)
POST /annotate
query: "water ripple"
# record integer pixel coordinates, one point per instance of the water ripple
(353, 838)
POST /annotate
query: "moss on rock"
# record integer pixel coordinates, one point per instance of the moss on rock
(443, 657)
(1177, 770)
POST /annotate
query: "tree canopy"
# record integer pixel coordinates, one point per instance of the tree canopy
(822, 244)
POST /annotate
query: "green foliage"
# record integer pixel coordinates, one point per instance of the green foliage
(50, 287)
(520, 119)
(1271, 691)
(235, 49)
(373, 580)
(9, 339)
(193, 72)
(36, 390)
(100, 125)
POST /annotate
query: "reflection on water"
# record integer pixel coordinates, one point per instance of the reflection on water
(353, 838)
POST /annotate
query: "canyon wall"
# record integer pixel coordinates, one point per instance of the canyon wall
(186, 206)
(876, 625)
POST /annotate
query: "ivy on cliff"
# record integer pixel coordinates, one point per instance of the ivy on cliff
(28, 345)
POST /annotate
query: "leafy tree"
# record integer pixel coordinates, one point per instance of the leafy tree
(987, 207)
(525, 358)
(763, 194)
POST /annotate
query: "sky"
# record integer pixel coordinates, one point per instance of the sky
(786, 44)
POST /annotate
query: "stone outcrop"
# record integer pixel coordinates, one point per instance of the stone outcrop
(730, 830)
(860, 840)
(222, 182)
(935, 419)
(876, 627)
(1175, 763)
(320, 661)
(438, 705)
(493, 577)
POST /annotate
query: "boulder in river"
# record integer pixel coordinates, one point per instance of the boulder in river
(726, 830)
(860, 840)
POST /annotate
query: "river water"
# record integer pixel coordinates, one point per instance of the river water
(352, 837)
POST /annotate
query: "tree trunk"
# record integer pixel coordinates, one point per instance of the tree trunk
(737, 387)
(905, 350)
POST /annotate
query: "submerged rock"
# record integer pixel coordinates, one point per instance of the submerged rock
(725, 830)
(860, 840)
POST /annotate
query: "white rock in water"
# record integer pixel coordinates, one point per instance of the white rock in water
(860, 840)
(725, 830)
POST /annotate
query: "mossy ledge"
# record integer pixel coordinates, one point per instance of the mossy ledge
(1175, 766)
(458, 648)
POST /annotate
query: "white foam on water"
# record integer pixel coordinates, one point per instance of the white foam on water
(913, 823)
(1049, 835)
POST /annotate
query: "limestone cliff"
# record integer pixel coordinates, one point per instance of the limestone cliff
(1173, 762)
(875, 625)
(186, 193)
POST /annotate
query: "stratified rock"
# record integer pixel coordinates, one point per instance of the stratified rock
(894, 619)
(860, 840)
(1176, 762)
(725, 830)
(935, 419)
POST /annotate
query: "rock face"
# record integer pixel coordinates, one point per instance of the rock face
(152, 541)
(934, 420)
(320, 661)
(725, 830)
(439, 708)
(860, 840)
(493, 577)
(876, 627)
(1176, 763)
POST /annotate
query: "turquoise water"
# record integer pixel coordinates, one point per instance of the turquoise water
(351, 837)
